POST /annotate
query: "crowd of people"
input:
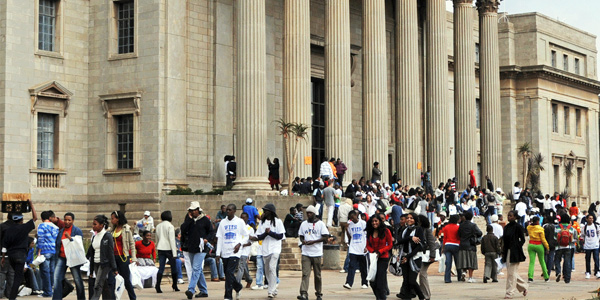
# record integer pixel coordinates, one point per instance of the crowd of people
(394, 229)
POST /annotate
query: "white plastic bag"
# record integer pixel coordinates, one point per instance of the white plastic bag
(74, 252)
(136, 278)
(499, 264)
(119, 286)
(40, 259)
(24, 291)
(442, 267)
(372, 267)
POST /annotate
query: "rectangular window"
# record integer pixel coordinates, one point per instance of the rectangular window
(565, 62)
(554, 118)
(45, 141)
(125, 27)
(47, 25)
(477, 52)
(477, 113)
(124, 141)
(578, 122)
(557, 178)
(318, 123)
(577, 66)
(579, 181)
(553, 58)
(567, 131)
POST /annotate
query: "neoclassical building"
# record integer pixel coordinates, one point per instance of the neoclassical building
(107, 102)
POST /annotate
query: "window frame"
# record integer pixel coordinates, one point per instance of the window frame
(57, 51)
(566, 62)
(576, 65)
(51, 132)
(114, 30)
(477, 113)
(567, 120)
(553, 58)
(554, 118)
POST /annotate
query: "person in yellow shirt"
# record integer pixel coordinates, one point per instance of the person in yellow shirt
(537, 246)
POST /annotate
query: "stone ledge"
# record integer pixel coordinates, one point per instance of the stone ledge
(136, 171)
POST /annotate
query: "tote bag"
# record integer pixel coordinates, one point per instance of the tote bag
(372, 267)
(74, 252)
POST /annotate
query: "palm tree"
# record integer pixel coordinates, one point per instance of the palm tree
(569, 165)
(297, 132)
(535, 165)
(525, 152)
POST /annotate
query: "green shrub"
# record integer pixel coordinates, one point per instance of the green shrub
(181, 191)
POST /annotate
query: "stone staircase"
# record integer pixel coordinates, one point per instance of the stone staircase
(291, 255)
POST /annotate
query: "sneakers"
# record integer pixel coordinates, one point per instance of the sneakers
(364, 286)
(598, 274)
(471, 280)
(302, 297)
(237, 295)
(270, 296)
(347, 286)
(342, 271)
(558, 278)
(257, 287)
(587, 275)
(500, 273)
(179, 281)
(357, 271)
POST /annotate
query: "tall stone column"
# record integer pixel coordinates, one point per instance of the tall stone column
(296, 76)
(251, 96)
(464, 92)
(489, 86)
(375, 102)
(408, 102)
(437, 107)
(338, 98)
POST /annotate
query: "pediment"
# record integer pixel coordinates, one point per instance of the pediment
(51, 89)
(50, 96)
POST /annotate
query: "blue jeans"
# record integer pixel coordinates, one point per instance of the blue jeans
(522, 221)
(588, 254)
(566, 267)
(197, 273)
(550, 260)
(347, 262)
(35, 278)
(488, 214)
(451, 251)
(260, 272)
(47, 270)
(178, 266)
(216, 271)
(431, 216)
(59, 276)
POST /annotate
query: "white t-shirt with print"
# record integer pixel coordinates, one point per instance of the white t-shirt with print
(246, 250)
(230, 233)
(591, 236)
(359, 237)
(271, 245)
(312, 232)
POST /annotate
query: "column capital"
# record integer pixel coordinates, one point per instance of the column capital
(487, 6)
(457, 2)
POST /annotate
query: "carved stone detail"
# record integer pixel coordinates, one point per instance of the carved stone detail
(487, 6)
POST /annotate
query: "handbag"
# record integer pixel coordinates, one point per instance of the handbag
(136, 278)
(372, 267)
(119, 286)
(395, 268)
(67, 288)
(74, 252)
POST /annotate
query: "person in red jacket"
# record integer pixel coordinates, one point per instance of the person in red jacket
(146, 250)
(472, 181)
(379, 241)
(450, 247)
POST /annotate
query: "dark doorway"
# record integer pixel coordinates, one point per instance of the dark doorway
(318, 124)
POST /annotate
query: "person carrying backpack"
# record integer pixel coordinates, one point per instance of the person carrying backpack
(590, 245)
(566, 236)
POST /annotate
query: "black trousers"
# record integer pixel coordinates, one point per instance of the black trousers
(410, 285)
(16, 261)
(230, 266)
(379, 286)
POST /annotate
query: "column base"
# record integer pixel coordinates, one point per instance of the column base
(250, 184)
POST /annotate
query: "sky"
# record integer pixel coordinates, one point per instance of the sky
(582, 14)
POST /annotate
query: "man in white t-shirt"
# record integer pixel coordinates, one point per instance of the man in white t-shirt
(591, 243)
(245, 254)
(312, 233)
(356, 249)
(231, 235)
(271, 231)
(521, 209)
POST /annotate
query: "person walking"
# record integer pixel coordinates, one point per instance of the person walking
(102, 258)
(196, 232)
(124, 252)
(329, 201)
(590, 246)
(167, 249)
(450, 247)
(490, 248)
(230, 238)
(60, 269)
(566, 236)
(271, 231)
(16, 243)
(411, 242)
(47, 233)
(432, 247)
(469, 233)
(274, 173)
(513, 240)
(537, 246)
(243, 270)
(357, 242)
(313, 233)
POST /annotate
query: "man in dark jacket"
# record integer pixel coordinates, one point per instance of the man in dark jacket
(7, 274)
(196, 231)
(351, 189)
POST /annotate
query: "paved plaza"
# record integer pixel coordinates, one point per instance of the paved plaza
(333, 281)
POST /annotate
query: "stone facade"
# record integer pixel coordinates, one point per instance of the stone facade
(181, 86)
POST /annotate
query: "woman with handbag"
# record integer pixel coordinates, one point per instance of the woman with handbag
(60, 269)
(432, 246)
(124, 247)
(380, 242)
(513, 240)
(167, 249)
(410, 242)
(102, 258)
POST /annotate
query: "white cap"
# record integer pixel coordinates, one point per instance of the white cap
(499, 190)
(494, 218)
(248, 200)
(195, 205)
(311, 209)
(147, 213)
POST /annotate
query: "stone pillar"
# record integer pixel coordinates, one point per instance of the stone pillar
(296, 77)
(437, 107)
(251, 97)
(489, 86)
(375, 102)
(464, 92)
(338, 98)
(408, 130)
